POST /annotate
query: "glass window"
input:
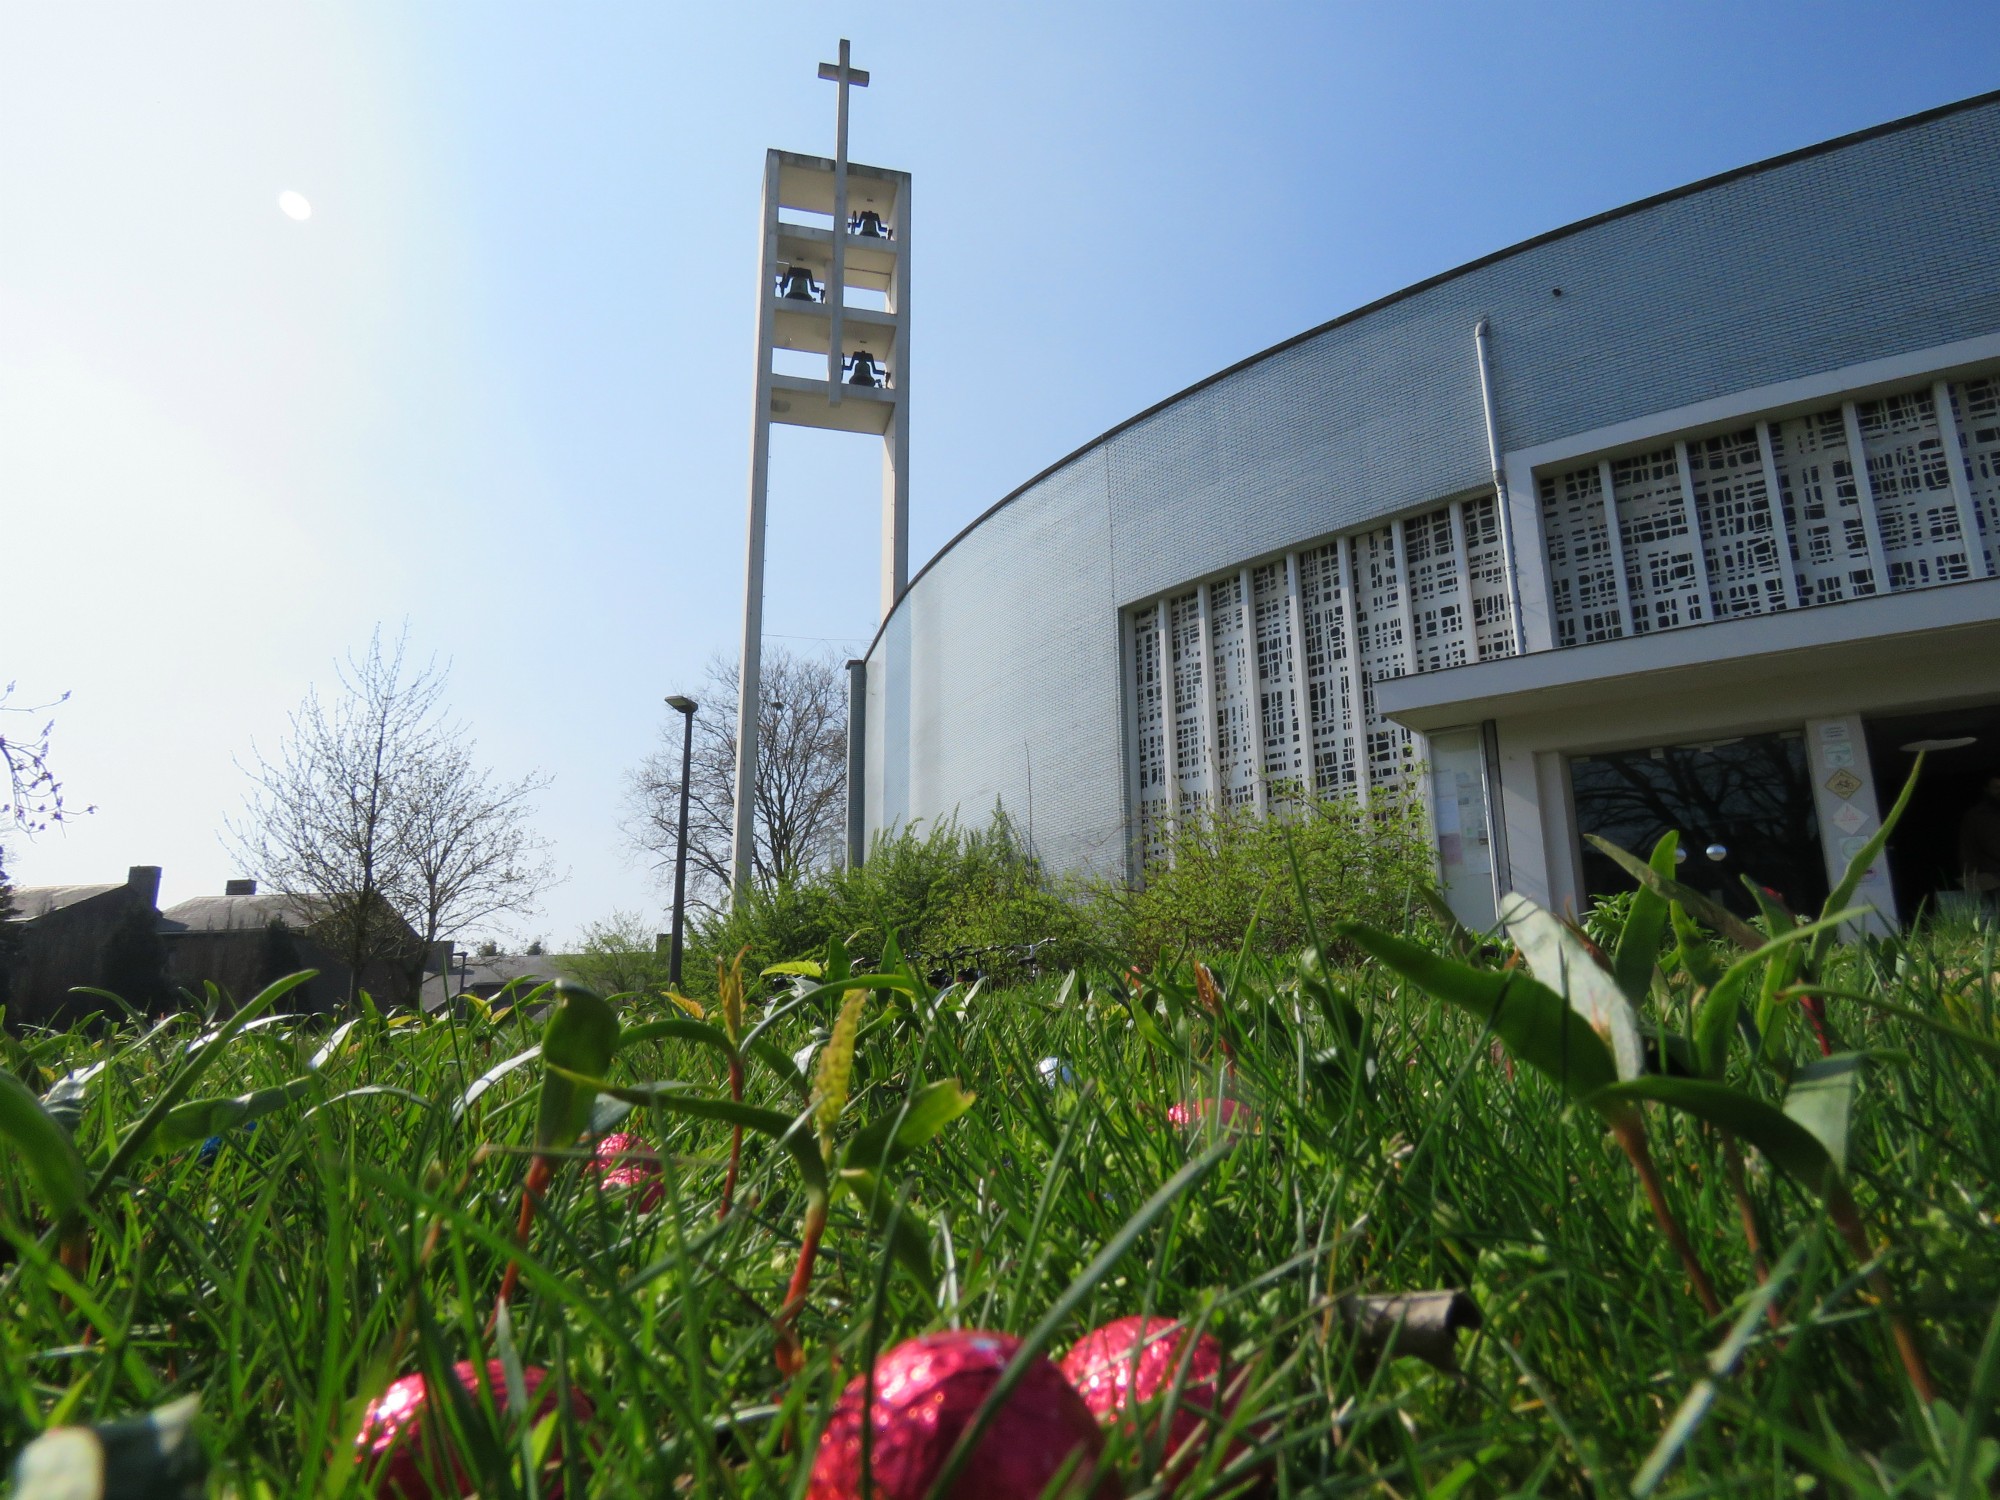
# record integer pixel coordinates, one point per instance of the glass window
(1742, 806)
(1458, 812)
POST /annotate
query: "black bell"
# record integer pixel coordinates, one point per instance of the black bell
(862, 369)
(795, 284)
(867, 224)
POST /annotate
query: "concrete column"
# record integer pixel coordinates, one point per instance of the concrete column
(896, 439)
(1616, 537)
(1211, 753)
(1961, 483)
(749, 693)
(1301, 685)
(1693, 513)
(1871, 525)
(1350, 669)
(1774, 497)
(1253, 690)
(1461, 562)
(857, 763)
(1845, 798)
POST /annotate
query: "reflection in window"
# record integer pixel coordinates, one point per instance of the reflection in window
(1742, 807)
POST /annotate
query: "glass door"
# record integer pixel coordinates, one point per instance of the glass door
(1743, 807)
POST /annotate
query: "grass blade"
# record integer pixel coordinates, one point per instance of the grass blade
(55, 1166)
(203, 1058)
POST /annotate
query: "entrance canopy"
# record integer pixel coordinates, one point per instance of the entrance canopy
(1829, 674)
(1869, 654)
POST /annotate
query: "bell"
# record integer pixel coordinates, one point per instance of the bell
(862, 369)
(795, 284)
(867, 224)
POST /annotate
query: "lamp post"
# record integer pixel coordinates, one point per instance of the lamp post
(685, 707)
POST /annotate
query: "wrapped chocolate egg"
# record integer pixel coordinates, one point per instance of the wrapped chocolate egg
(401, 1445)
(1056, 1073)
(626, 1164)
(1224, 1114)
(1130, 1363)
(926, 1393)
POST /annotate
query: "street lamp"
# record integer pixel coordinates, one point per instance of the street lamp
(685, 707)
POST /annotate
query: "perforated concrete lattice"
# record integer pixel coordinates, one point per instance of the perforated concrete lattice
(1822, 508)
(1322, 626)
(1662, 565)
(1438, 613)
(1585, 571)
(1741, 532)
(1909, 479)
(1976, 406)
(1837, 530)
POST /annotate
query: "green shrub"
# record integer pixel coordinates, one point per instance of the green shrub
(949, 888)
(1222, 871)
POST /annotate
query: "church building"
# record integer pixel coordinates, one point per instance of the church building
(1686, 515)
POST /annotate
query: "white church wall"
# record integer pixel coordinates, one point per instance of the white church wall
(1875, 252)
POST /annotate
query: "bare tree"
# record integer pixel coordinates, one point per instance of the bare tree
(469, 856)
(34, 795)
(375, 820)
(801, 792)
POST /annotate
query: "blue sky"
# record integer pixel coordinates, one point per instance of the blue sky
(498, 384)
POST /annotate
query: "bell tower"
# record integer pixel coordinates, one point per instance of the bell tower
(833, 281)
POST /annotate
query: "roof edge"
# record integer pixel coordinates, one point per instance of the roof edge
(1417, 288)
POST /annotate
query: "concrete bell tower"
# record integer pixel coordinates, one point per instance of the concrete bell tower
(830, 228)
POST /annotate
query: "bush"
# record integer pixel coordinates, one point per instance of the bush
(1222, 871)
(977, 893)
(945, 890)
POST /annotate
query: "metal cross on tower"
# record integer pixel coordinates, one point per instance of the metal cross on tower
(840, 75)
(805, 277)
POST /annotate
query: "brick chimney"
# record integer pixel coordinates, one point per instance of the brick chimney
(240, 888)
(143, 881)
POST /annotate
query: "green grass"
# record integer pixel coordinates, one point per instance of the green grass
(361, 1230)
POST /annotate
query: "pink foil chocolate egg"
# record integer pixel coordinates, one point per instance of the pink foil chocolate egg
(1227, 1113)
(624, 1163)
(926, 1393)
(409, 1462)
(1131, 1362)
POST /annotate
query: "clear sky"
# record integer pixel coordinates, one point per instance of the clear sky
(498, 384)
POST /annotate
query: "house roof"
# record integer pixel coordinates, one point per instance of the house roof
(505, 968)
(235, 913)
(31, 901)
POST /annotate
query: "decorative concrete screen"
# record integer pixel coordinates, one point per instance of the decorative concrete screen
(1270, 695)
(1976, 413)
(1778, 514)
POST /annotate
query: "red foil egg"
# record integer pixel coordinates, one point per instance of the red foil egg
(626, 1164)
(409, 1463)
(926, 1393)
(1226, 1113)
(1130, 1362)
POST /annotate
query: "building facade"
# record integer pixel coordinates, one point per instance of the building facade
(1687, 515)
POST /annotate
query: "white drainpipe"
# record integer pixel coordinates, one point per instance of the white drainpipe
(1499, 488)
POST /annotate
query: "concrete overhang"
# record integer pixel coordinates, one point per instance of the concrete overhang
(1864, 638)
(806, 183)
(802, 402)
(869, 263)
(807, 326)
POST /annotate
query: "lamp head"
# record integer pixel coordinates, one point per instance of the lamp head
(681, 705)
